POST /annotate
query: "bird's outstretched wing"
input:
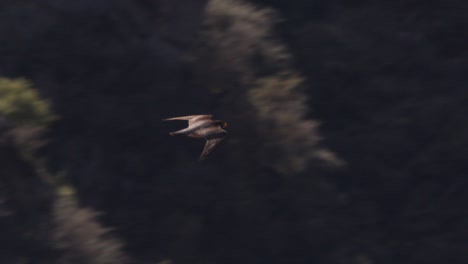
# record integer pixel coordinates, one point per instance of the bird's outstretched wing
(210, 146)
(189, 118)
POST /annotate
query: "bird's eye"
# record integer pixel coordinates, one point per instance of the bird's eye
(223, 125)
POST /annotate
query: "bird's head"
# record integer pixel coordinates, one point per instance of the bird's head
(221, 124)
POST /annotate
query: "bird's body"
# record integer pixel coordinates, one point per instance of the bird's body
(202, 126)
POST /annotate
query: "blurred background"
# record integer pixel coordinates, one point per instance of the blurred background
(347, 129)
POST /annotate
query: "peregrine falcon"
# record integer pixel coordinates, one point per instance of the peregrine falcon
(202, 126)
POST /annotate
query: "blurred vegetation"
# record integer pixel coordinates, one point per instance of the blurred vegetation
(39, 226)
(26, 113)
(347, 132)
(81, 237)
(261, 68)
(21, 105)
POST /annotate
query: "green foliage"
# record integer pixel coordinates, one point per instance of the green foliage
(29, 115)
(21, 104)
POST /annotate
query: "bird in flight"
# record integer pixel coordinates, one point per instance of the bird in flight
(202, 126)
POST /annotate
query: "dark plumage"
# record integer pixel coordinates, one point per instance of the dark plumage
(202, 126)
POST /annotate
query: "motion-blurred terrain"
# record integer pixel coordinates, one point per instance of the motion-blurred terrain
(347, 132)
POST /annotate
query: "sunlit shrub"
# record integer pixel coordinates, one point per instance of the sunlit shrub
(21, 104)
(26, 112)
